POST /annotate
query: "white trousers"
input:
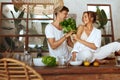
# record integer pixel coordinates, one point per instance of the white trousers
(84, 53)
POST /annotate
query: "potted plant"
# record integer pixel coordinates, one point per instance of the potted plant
(9, 42)
(102, 21)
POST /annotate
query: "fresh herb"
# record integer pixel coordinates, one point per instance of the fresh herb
(69, 25)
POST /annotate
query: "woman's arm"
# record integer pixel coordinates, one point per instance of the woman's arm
(90, 45)
(77, 38)
(78, 34)
(79, 31)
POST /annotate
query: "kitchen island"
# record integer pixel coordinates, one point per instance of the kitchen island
(107, 71)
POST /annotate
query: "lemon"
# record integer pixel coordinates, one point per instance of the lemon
(86, 63)
(96, 64)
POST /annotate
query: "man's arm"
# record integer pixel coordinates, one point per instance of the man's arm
(54, 44)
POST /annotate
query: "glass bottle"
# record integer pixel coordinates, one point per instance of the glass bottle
(39, 52)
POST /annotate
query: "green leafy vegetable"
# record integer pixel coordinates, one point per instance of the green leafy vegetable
(49, 60)
(69, 25)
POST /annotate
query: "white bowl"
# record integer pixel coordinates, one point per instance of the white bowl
(38, 62)
(75, 63)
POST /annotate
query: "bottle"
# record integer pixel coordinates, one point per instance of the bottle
(25, 56)
(39, 52)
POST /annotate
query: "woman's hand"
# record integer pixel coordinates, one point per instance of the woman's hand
(74, 36)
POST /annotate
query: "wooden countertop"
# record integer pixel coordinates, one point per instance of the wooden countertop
(110, 68)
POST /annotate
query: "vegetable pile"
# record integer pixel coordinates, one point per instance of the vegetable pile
(49, 60)
(69, 25)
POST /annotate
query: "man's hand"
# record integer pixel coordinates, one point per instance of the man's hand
(69, 34)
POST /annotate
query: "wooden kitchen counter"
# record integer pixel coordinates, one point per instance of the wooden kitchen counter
(103, 72)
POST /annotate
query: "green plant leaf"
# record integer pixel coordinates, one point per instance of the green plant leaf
(16, 9)
(10, 42)
(102, 17)
(20, 16)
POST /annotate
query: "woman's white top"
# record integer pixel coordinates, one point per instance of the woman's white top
(84, 36)
(94, 37)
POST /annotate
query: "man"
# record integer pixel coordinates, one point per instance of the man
(57, 40)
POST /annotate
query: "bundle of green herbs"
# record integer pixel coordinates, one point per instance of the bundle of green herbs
(69, 25)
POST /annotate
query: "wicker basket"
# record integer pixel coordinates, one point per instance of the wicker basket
(57, 3)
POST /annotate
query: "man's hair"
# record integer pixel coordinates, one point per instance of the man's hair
(60, 9)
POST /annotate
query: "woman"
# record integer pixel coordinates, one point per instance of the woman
(57, 41)
(88, 38)
(88, 41)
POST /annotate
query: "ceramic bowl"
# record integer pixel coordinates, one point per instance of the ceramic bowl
(38, 62)
(75, 63)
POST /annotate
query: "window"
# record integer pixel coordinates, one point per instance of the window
(23, 24)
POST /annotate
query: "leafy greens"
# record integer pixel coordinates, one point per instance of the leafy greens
(69, 25)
